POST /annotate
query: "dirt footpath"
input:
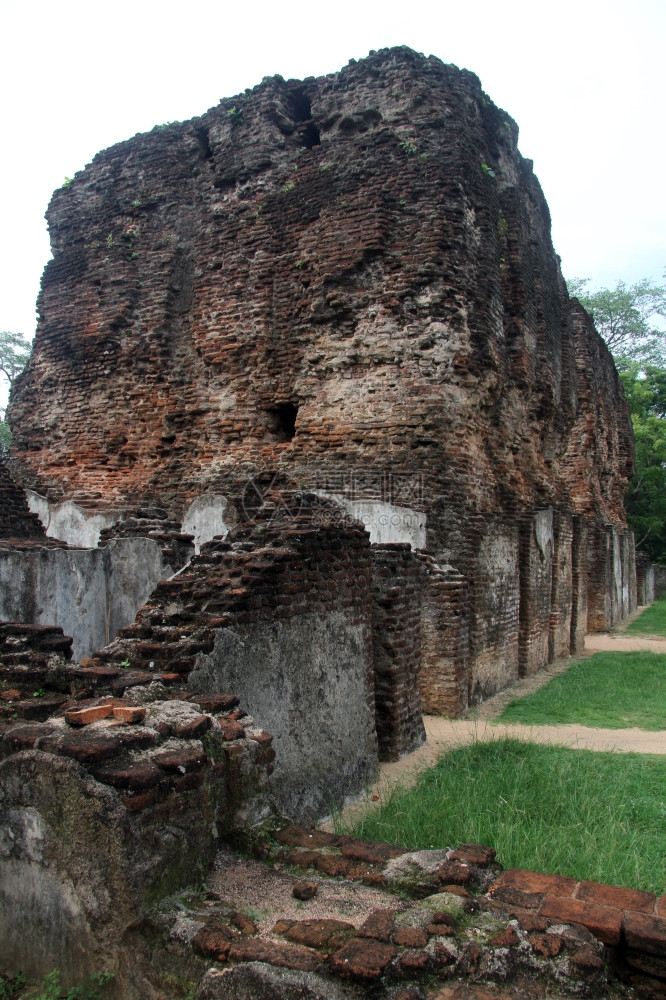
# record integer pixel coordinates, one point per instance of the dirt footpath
(444, 734)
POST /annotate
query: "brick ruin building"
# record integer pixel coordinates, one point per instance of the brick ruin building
(310, 421)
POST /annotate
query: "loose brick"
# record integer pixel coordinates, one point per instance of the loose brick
(231, 730)
(316, 933)
(455, 873)
(378, 924)
(214, 703)
(132, 775)
(214, 941)
(410, 937)
(290, 956)
(507, 938)
(536, 883)
(185, 759)
(130, 714)
(91, 746)
(362, 958)
(362, 850)
(644, 932)
(474, 854)
(612, 895)
(548, 945)
(304, 890)
(194, 729)
(605, 922)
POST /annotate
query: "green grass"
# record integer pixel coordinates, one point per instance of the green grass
(608, 690)
(652, 621)
(599, 816)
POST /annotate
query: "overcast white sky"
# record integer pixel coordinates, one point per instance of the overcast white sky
(584, 80)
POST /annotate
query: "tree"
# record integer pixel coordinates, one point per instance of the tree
(646, 496)
(630, 319)
(627, 317)
(14, 354)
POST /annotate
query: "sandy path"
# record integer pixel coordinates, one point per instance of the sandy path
(443, 734)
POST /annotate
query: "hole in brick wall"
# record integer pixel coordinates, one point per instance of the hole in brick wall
(282, 421)
(301, 111)
(310, 136)
(204, 144)
(299, 106)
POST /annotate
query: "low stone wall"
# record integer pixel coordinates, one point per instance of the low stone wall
(106, 810)
(89, 593)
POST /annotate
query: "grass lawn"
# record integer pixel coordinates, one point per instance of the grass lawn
(608, 690)
(599, 816)
(652, 621)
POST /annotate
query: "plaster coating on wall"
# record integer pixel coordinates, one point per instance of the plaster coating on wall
(89, 593)
(209, 516)
(385, 522)
(69, 522)
(306, 680)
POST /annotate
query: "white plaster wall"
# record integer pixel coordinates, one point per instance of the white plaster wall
(70, 523)
(384, 521)
(206, 517)
(543, 531)
(89, 593)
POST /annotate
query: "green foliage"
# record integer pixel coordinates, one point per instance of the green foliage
(11, 986)
(5, 441)
(50, 988)
(14, 354)
(67, 182)
(627, 318)
(487, 170)
(599, 816)
(652, 621)
(645, 502)
(409, 147)
(608, 690)
(235, 115)
(630, 319)
(289, 186)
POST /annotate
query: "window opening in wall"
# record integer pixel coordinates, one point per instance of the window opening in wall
(310, 135)
(282, 421)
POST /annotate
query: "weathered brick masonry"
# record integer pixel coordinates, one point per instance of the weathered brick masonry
(339, 281)
(335, 279)
(321, 303)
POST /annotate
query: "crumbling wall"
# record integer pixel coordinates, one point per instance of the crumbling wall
(16, 519)
(580, 582)
(612, 577)
(564, 589)
(279, 611)
(397, 585)
(536, 583)
(645, 579)
(496, 582)
(445, 651)
(345, 284)
(89, 593)
(105, 810)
